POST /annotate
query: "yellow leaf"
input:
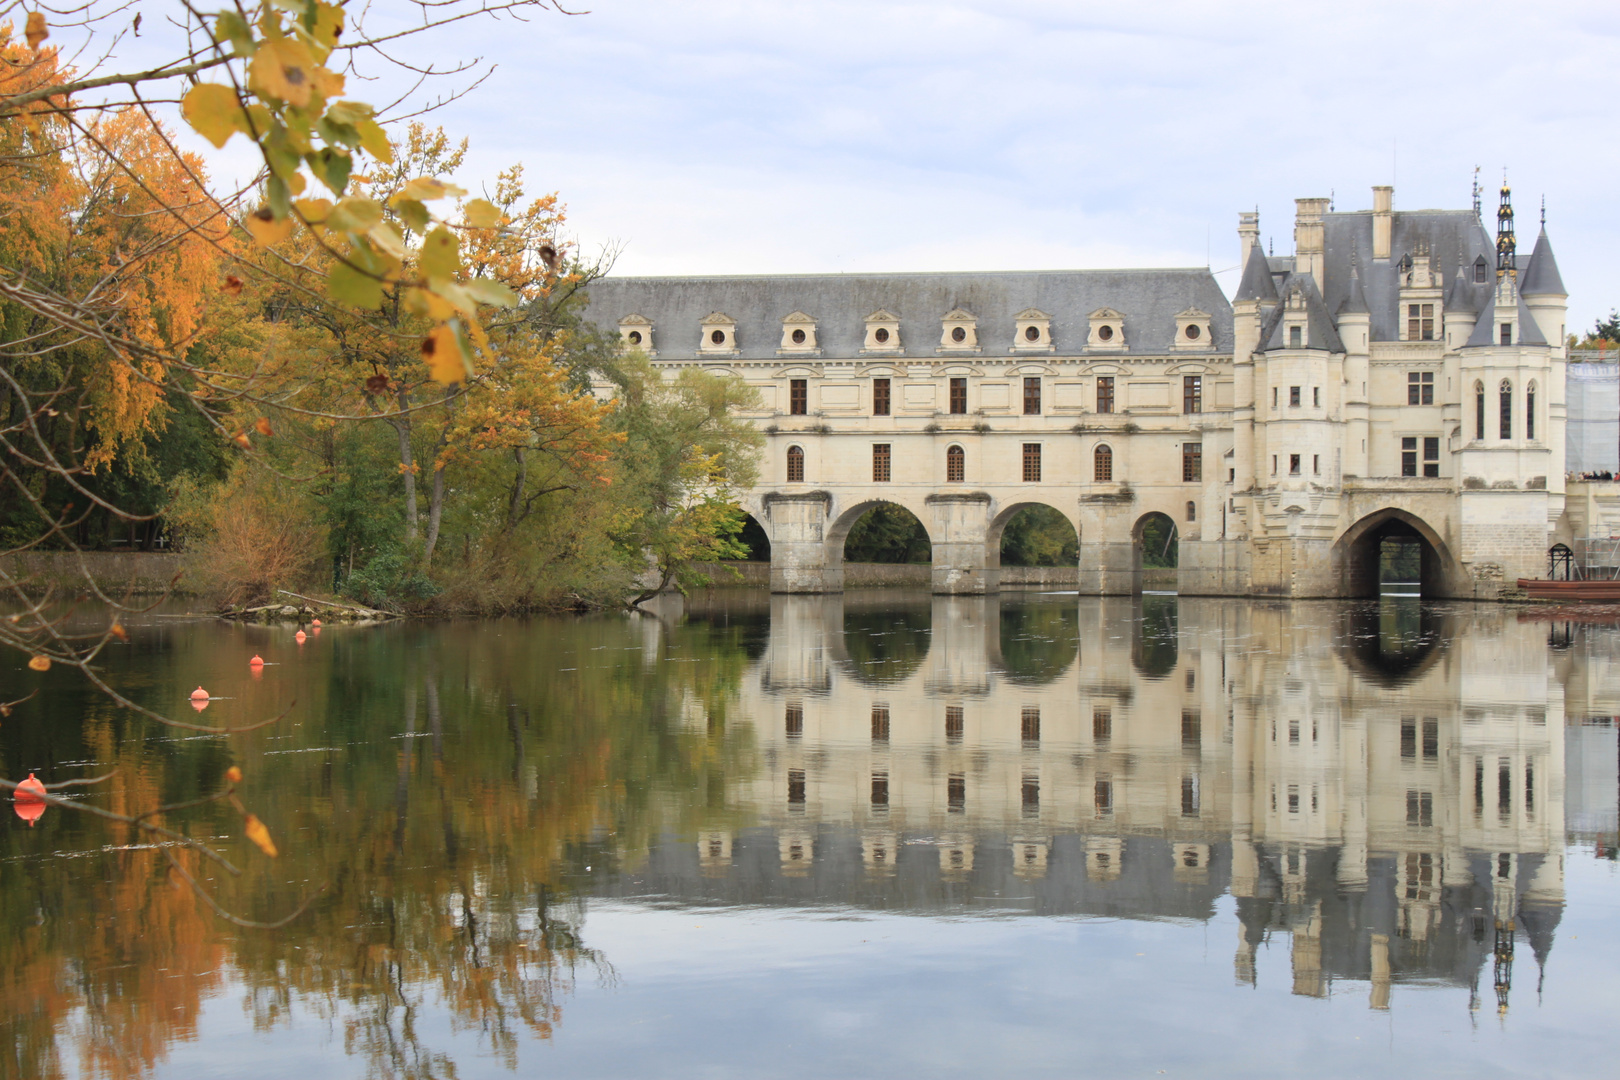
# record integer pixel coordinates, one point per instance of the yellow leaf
(314, 210)
(445, 356)
(441, 254)
(266, 230)
(347, 285)
(262, 426)
(213, 111)
(426, 189)
(260, 835)
(375, 141)
(488, 291)
(385, 234)
(40, 663)
(282, 69)
(355, 214)
(430, 304)
(482, 214)
(36, 31)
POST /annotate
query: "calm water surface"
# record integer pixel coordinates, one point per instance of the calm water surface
(877, 835)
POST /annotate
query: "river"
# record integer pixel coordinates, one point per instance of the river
(877, 835)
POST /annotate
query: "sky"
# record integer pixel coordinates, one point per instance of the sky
(882, 135)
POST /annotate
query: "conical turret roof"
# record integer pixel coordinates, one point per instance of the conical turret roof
(1256, 283)
(1541, 277)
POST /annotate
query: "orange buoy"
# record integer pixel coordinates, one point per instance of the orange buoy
(257, 661)
(315, 622)
(299, 637)
(30, 799)
(199, 703)
(199, 694)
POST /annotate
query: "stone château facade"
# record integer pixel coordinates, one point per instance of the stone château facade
(1400, 375)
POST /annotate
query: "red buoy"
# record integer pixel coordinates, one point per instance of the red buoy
(199, 694)
(315, 622)
(257, 661)
(299, 637)
(199, 703)
(30, 799)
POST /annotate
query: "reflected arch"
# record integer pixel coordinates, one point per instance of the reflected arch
(1359, 552)
(1156, 637)
(1038, 638)
(997, 532)
(1393, 641)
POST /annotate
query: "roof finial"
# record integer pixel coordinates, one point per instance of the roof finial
(1544, 210)
(1271, 245)
(1477, 193)
(1506, 262)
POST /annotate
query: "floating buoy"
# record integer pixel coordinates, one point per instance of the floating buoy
(315, 622)
(199, 694)
(30, 799)
(257, 661)
(299, 637)
(199, 703)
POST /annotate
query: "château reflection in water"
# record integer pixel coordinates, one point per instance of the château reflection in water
(1381, 782)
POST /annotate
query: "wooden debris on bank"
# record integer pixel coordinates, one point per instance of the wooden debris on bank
(307, 608)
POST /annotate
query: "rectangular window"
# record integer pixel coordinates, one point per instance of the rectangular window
(1479, 413)
(956, 793)
(1316, 464)
(799, 396)
(958, 397)
(1030, 724)
(1316, 396)
(1031, 796)
(1102, 724)
(1431, 738)
(1431, 455)
(880, 397)
(1504, 787)
(1273, 397)
(1189, 796)
(1507, 333)
(880, 790)
(1032, 463)
(1192, 393)
(1192, 462)
(1102, 795)
(1420, 322)
(1505, 421)
(880, 463)
(796, 787)
(1273, 464)
(1530, 414)
(1420, 808)
(794, 721)
(1296, 337)
(1293, 464)
(1032, 397)
(1105, 393)
(1293, 397)
(1420, 388)
(1192, 727)
(953, 723)
(1409, 457)
(880, 723)
(1409, 736)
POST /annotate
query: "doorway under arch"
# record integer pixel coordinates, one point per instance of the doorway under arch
(1392, 551)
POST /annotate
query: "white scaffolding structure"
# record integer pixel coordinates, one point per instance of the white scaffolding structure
(1597, 558)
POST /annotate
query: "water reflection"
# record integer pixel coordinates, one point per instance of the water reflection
(1387, 787)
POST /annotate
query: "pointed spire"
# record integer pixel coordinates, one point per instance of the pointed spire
(1541, 277)
(1461, 296)
(1256, 283)
(1506, 248)
(1355, 301)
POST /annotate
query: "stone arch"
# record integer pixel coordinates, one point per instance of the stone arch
(1356, 553)
(1167, 514)
(998, 526)
(844, 520)
(757, 537)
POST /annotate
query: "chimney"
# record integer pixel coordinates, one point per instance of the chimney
(1383, 220)
(1309, 238)
(1248, 235)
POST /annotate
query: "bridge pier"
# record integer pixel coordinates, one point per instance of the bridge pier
(959, 534)
(1108, 561)
(798, 530)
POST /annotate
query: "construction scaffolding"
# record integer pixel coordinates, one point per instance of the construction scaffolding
(1596, 558)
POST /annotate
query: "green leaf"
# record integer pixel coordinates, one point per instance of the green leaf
(375, 141)
(331, 167)
(441, 254)
(231, 27)
(213, 111)
(482, 214)
(414, 214)
(349, 286)
(279, 196)
(352, 113)
(490, 291)
(337, 134)
(355, 214)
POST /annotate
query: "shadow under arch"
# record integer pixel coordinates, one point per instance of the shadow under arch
(1156, 637)
(1358, 551)
(838, 531)
(755, 538)
(1393, 640)
(885, 640)
(1039, 637)
(998, 528)
(1155, 544)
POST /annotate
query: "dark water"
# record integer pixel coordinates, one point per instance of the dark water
(864, 836)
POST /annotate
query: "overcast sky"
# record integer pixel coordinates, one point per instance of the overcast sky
(766, 136)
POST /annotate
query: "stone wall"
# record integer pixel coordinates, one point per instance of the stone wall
(757, 575)
(139, 572)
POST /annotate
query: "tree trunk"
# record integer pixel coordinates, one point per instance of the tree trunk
(436, 493)
(519, 482)
(402, 425)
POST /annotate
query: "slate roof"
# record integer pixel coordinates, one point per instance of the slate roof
(1320, 331)
(1485, 329)
(1454, 238)
(1541, 276)
(840, 303)
(1257, 283)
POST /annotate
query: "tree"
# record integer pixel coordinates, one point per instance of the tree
(1608, 329)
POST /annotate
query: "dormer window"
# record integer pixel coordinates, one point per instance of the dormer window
(1420, 322)
(635, 332)
(959, 331)
(1032, 331)
(882, 333)
(798, 334)
(1192, 330)
(1481, 269)
(1296, 337)
(719, 334)
(1107, 330)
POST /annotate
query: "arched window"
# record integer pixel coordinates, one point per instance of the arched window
(1505, 424)
(955, 465)
(1479, 411)
(795, 465)
(1192, 515)
(1102, 465)
(1530, 412)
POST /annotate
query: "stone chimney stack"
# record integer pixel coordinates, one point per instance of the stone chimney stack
(1310, 239)
(1248, 236)
(1383, 220)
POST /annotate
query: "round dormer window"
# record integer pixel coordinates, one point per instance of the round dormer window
(635, 337)
(1032, 333)
(1193, 332)
(880, 335)
(1105, 334)
(718, 337)
(798, 337)
(958, 335)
